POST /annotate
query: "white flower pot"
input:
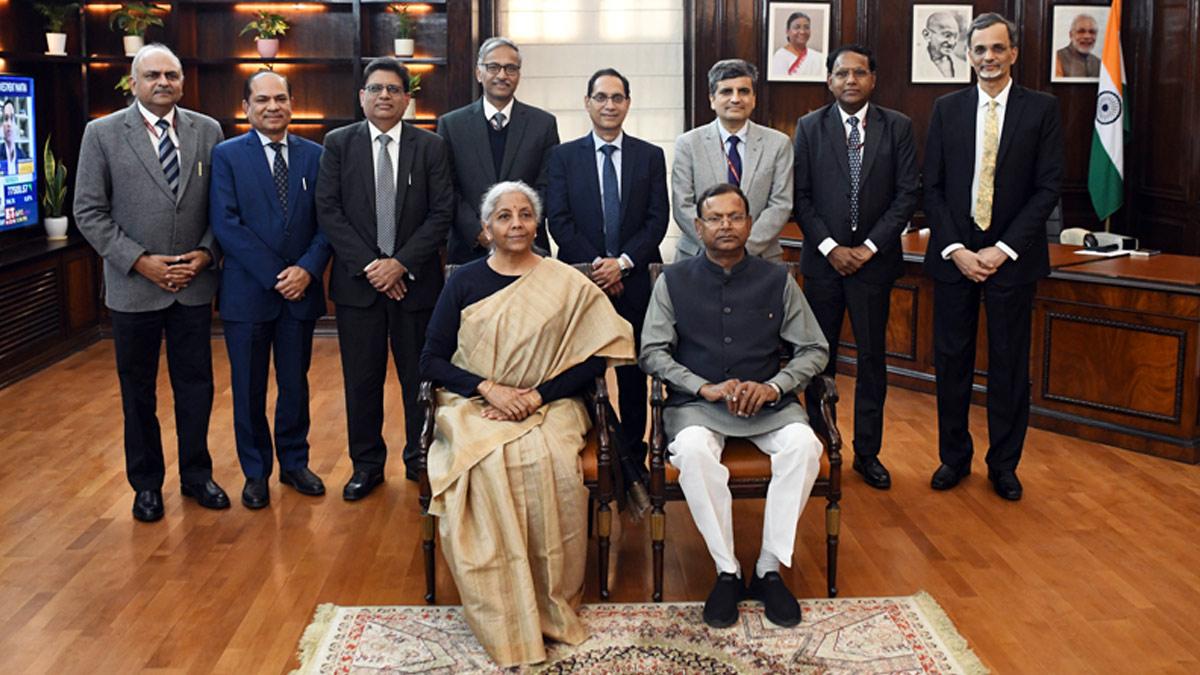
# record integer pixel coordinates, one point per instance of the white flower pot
(56, 228)
(267, 48)
(411, 111)
(56, 44)
(132, 44)
(404, 46)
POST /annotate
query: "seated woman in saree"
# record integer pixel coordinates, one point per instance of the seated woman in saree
(514, 340)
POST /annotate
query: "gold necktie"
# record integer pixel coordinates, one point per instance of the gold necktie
(987, 170)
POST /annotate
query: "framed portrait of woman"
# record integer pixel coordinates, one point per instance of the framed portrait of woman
(797, 41)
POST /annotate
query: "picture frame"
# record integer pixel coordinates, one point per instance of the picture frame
(1077, 42)
(808, 31)
(939, 44)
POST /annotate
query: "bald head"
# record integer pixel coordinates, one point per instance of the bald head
(157, 78)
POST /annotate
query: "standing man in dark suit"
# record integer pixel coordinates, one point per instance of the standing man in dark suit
(993, 165)
(262, 211)
(856, 188)
(10, 152)
(384, 200)
(141, 199)
(496, 138)
(607, 203)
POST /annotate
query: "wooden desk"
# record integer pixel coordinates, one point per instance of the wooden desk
(1116, 346)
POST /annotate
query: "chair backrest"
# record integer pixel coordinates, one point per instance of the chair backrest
(585, 268)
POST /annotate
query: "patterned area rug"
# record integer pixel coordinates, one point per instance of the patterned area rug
(849, 635)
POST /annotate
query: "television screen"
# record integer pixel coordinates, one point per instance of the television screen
(18, 153)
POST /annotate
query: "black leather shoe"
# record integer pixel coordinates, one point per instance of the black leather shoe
(256, 494)
(947, 477)
(779, 604)
(306, 482)
(208, 494)
(360, 484)
(721, 610)
(873, 471)
(148, 506)
(1006, 485)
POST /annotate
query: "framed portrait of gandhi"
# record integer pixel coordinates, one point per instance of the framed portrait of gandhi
(939, 44)
(797, 41)
(1077, 42)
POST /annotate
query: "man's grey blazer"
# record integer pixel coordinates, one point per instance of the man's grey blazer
(124, 206)
(532, 134)
(766, 180)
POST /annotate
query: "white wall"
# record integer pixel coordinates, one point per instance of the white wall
(564, 41)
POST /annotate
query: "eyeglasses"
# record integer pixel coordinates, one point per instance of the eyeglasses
(603, 99)
(377, 89)
(732, 219)
(508, 68)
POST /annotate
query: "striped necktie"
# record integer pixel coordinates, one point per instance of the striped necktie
(168, 156)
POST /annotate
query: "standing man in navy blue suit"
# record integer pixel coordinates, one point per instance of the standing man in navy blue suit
(262, 212)
(607, 206)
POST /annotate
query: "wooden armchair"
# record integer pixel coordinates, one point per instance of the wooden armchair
(599, 475)
(749, 468)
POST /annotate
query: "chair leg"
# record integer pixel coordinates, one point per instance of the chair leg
(427, 527)
(604, 531)
(591, 513)
(658, 535)
(833, 514)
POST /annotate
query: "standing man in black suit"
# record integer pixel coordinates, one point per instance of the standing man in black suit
(856, 187)
(496, 138)
(607, 203)
(993, 165)
(384, 201)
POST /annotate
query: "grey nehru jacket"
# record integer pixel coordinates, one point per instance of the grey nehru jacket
(705, 325)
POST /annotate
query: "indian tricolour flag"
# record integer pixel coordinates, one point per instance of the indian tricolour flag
(1107, 167)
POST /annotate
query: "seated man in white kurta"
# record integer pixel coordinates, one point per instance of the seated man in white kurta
(712, 333)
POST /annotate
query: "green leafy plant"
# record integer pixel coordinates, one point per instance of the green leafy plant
(404, 20)
(414, 84)
(56, 14)
(268, 26)
(56, 183)
(125, 84)
(133, 18)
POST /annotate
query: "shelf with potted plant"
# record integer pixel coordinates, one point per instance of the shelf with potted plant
(133, 19)
(56, 14)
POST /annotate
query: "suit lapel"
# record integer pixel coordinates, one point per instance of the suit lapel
(408, 152)
(139, 142)
(297, 163)
(751, 155)
(477, 138)
(873, 133)
(516, 132)
(185, 128)
(713, 152)
(837, 140)
(1012, 119)
(360, 151)
(256, 158)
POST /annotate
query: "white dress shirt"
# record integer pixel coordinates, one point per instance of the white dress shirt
(153, 131)
(980, 120)
(626, 261)
(393, 150)
(828, 244)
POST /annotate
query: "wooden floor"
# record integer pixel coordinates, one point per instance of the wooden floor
(1097, 570)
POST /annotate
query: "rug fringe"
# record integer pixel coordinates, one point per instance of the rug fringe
(949, 635)
(311, 639)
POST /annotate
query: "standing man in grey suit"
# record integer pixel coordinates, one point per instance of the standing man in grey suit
(384, 201)
(496, 138)
(141, 199)
(734, 150)
(856, 188)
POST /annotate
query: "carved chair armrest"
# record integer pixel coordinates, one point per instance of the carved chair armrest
(428, 403)
(822, 397)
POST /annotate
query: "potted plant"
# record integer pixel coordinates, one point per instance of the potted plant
(125, 86)
(56, 195)
(268, 27)
(132, 19)
(56, 14)
(403, 44)
(414, 85)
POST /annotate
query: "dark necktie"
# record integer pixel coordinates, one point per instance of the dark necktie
(855, 157)
(385, 199)
(612, 203)
(498, 121)
(279, 171)
(733, 162)
(167, 156)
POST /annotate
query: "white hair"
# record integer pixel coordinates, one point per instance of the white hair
(152, 47)
(494, 193)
